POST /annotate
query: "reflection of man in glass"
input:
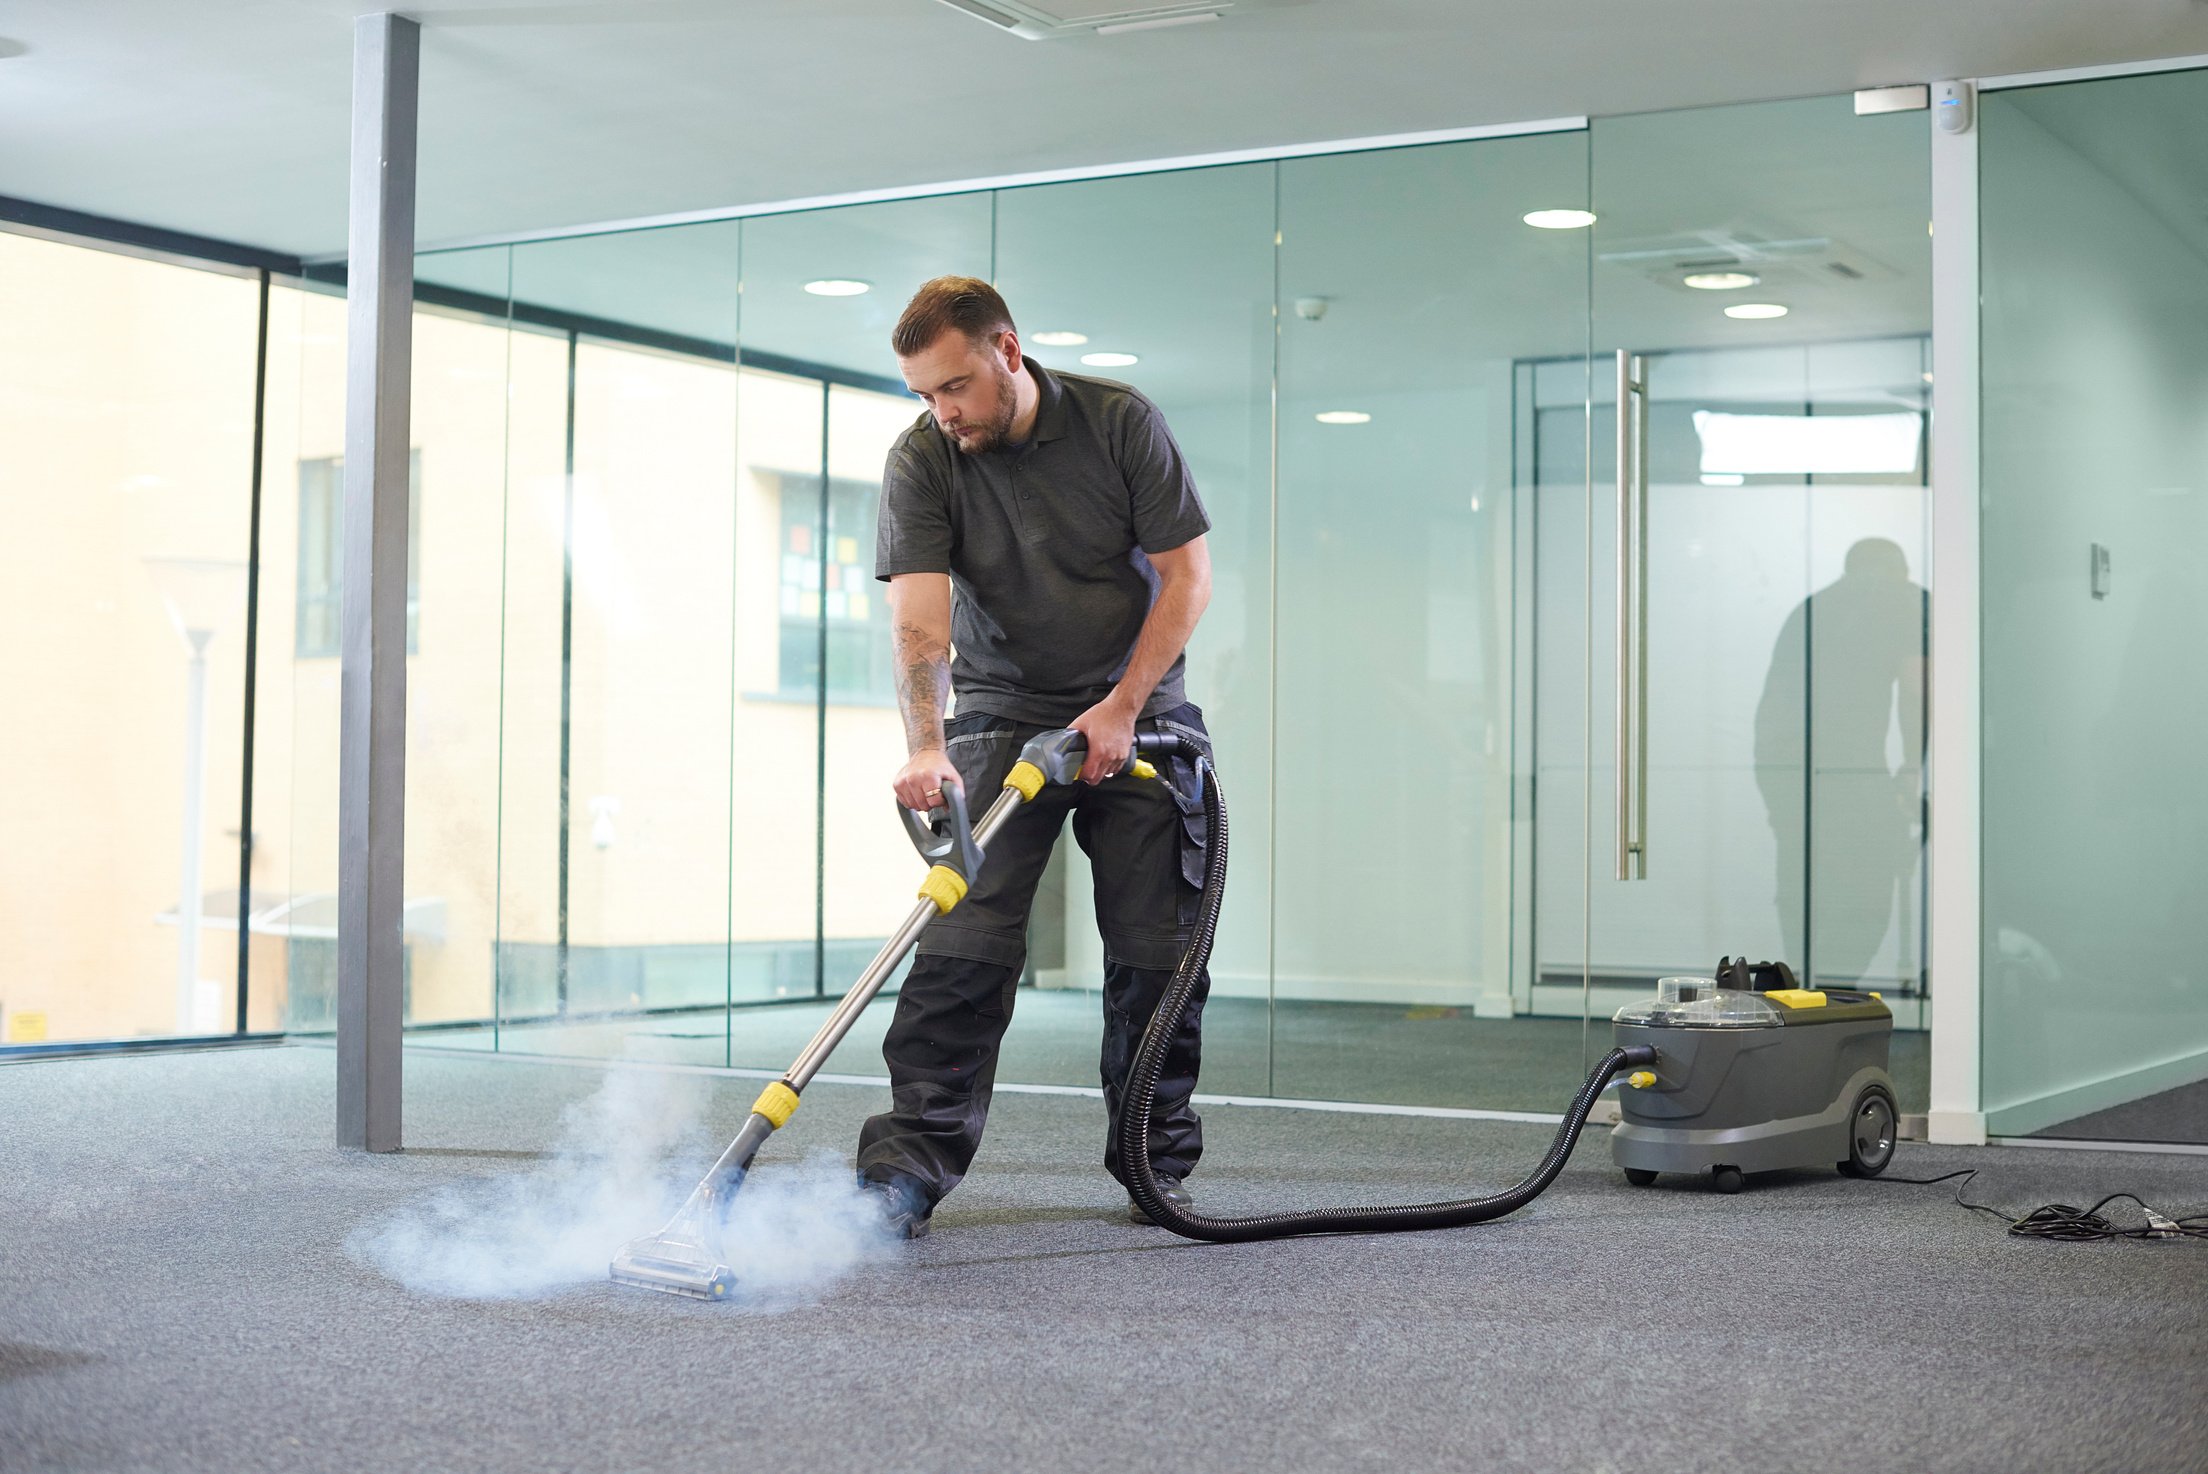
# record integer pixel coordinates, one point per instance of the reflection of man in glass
(1044, 548)
(1849, 660)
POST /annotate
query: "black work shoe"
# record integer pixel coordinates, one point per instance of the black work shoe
(905, 1211)
(1169, 1188)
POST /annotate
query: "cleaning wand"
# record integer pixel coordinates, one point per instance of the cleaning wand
(684, 1258)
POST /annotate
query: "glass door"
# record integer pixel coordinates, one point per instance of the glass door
(1760, 284)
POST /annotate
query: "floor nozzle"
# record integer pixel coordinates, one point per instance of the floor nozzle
(681, 1259)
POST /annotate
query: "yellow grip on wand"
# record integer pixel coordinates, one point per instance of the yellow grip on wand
(944, 886)
(777, 1103)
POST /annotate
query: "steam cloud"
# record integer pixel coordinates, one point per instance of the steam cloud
(624, 1161)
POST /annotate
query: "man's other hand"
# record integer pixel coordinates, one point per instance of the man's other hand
(1110, 729)
(921, 781)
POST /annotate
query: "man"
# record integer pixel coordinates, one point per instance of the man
(1044, 548)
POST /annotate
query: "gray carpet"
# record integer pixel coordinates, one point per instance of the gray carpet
(2179, 1115)
(174, 1295)
(1303, 1051)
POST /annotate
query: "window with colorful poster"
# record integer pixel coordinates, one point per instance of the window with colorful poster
(829, 597)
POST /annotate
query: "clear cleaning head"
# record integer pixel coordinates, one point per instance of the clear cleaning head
(675, 1263)
(685, 1257)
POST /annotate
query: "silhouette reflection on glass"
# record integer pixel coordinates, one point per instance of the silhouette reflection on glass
(1849, 660)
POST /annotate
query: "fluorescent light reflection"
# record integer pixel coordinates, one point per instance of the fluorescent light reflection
(1109, 360)
(1755, 310)
(1343, 417)
(838, 286)
(1807, 445)
(1560, 219)
(1060, 339)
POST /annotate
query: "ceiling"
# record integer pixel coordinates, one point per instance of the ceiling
(228, 118)
(1420, 257)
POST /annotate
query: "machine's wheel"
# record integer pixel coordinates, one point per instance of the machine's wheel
(1639, 1176)
(1870, 1133)
(1726, 1179)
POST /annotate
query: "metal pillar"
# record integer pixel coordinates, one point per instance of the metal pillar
(372, 725)
(188, 884)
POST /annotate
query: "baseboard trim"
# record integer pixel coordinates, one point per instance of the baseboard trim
(1089, 1092)
(2080, 1144)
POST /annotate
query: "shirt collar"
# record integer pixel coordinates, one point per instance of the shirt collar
(1050, 407)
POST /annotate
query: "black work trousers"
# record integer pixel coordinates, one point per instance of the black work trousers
(1145, 843)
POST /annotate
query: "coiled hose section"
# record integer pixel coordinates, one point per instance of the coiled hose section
(1142, 1090)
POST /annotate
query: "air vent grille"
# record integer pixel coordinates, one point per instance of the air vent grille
(1778, 257)
(1042, 20)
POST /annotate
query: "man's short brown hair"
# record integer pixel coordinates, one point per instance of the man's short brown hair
(966, 303)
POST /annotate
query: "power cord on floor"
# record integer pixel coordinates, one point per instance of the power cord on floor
(2066, 1224)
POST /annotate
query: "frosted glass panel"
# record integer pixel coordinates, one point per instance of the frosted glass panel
(1787, 501)
(1176, 269)
(2095, 280)
(616, 632)
(1411, 292)
(126, 400)
(824, 866)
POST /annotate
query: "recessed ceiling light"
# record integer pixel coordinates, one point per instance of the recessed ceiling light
(1560, 219)
(1755, 310)
(1344, 417)
(838, 286)
(1721, 281)
(1109, 360)
(1060, 340)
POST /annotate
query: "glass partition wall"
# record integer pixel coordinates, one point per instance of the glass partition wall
(1390, 374)
(651, 719)
(1765, 273)
(1411, 289)
(2094, 584)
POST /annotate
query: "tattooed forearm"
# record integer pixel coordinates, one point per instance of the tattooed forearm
(923, 686)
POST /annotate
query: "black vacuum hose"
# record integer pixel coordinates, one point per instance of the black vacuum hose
(1142, 1093)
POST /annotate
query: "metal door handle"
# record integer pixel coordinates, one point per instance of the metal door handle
(1632, 592)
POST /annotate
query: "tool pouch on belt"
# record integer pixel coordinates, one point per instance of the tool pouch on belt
(1187, 721)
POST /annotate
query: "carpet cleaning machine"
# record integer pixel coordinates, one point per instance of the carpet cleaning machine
(1726, 1079)
(1753, 1073)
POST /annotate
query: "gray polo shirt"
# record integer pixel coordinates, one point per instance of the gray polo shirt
(1046, 544)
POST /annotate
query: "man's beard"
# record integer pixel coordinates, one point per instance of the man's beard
(991, 433)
